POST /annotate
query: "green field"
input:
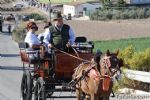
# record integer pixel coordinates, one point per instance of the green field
(139, 44)
(63, 1)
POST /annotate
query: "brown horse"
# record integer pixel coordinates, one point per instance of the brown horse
(109, 64)
(91, 82)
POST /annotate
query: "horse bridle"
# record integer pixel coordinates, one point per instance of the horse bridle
(107, 66)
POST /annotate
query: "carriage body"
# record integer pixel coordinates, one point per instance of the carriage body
(65, 64)
(53, 71)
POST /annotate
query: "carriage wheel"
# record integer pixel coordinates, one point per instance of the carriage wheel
(39, 92)
(50, 87)
(26, 86)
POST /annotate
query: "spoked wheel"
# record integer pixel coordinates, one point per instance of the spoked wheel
(26, 86)
(50, 87)
(39, 91)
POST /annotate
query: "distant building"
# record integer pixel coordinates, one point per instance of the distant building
(77, 8)
(115, 1)
(138, 1)
(134, 1)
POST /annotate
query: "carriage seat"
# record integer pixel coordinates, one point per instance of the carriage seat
(27, 54)
(82, 45)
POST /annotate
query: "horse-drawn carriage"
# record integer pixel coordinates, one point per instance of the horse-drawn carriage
(42, 75)
(68, 71)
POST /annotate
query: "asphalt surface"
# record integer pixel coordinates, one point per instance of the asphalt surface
(10, 69)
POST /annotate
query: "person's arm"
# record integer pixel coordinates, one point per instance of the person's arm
(32, 41)
(47, 36)
(32, 44)
(35, 46)
(71, 36)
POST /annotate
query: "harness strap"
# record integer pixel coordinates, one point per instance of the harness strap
(77, 80)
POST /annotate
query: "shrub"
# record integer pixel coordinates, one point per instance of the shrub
(127, 53)
(123, 13)
(116, 14)
(140, 60)
(141, 13)
(18, 35)
(136, 60)
(108, 14)
(121, 3)
(37, 16)
(122, 83)
(148, 12)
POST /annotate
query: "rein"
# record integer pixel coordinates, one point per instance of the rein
(81, 59)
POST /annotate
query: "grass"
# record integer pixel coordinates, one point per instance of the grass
(139, 44)
(62, 1)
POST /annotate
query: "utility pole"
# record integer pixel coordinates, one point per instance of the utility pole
(50, 10)
(1, 22)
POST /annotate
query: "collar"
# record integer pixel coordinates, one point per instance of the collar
(59, 28)
(30, 32)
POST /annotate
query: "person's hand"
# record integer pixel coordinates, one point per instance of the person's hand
(68, 44)
(50, 45)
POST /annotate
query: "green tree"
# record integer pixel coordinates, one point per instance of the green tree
(106, 3)
(121, 3)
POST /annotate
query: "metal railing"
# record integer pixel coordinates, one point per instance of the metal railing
(138, 75)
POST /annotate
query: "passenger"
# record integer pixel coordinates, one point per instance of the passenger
(46, 30)
(60, 35)
(31, 37)
(41, 36)
(33, 42)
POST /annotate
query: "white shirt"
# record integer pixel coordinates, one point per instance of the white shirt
(47, 36)
(32, 39)
(43, 34)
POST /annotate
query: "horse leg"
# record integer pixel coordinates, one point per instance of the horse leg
(87, 97)
(94, 97)
(100, 98)
(78, 94)
(106, 97)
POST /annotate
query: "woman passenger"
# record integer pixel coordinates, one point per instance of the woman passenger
(31, 37)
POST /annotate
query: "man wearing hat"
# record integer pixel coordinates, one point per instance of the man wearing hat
(60, 35)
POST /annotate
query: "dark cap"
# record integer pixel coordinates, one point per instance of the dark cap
(57, 16)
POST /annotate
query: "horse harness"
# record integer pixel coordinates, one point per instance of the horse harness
(78, 80)
(106, 64)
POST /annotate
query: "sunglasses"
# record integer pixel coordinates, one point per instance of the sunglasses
(33, 27)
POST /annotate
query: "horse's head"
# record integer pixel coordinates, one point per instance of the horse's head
(109, 63)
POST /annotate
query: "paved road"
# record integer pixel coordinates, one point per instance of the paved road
(10, 65)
